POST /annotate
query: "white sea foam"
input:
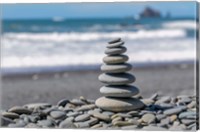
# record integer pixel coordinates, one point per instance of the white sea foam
(186, 24)
(22, 50)
(95, 36)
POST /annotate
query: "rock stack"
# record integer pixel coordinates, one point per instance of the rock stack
(118, 92)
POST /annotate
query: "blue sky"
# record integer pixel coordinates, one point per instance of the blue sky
(94, 10)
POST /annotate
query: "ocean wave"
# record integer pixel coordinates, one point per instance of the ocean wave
(95, 36)
(187, 24)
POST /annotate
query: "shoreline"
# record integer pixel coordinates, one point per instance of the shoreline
(51, 87)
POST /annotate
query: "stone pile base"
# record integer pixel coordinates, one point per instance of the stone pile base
(160, 113)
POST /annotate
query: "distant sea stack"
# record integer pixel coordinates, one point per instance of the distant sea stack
(118, 92)
(150, 13)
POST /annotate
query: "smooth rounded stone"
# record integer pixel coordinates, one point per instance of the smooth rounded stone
(185, 100)
(119, 91)
(173, 118)
(131, 127)
(116, 68)
(96, 126)
(124, 115)
(20, 110)
(63, 102)
(153, 128)
(66, 109)
(133, 113)
(134, 121)
(114, 40)
(117, 105)
(173, 111)
(48, 110)
(82, 118)
(115, 45)
(86, 107)
(37, 105)
(164, 122)
(82, 124)
(166, 105)
(67, 123)
(5, 121)
(58, 114)
(115, 59)
(115, 51)
(192, 104)
(176, 128)
(108, 113)
(160, 116)
(188, 115)
(116, 119)
(188, 121)
(101, 116)
(165, 99)
(45, 123)
(10, 115)
(77, 102)
(116, 79)
(73, 114)
(191, 126)
(142, 112)
(148, 118)
(92, 121)
(122, 123)
(147, 101)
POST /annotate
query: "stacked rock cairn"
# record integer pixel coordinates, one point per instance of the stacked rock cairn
(118, 92)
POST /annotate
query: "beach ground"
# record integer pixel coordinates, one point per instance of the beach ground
(169, 80)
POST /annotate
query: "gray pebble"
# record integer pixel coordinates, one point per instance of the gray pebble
(131, 127)
(86, 107)
(67, 123)
(109, 113)
(5, 121)
(45, 123)
(82, 124)
(82, 118)
(20, 110)
(58, 114)
(73, 114)
(115, 51)
(148, 118)
(20, 123)
(188, 115)
(77, 102)
(115, 59)
(173, 111)
(165, 99)
(160, 116)
(188, 121)
(92, 121)
(10, 115)
(63, 102)
(154, 96)
(114, 40)
(101, 116)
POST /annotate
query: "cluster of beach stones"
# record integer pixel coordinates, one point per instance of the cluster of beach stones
(159, 113)
(118, 92)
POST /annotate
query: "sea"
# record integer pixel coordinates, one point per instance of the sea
(59, 44)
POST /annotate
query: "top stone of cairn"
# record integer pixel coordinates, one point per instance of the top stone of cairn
(114, 40)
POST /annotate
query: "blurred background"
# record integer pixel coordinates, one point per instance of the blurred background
(54, 51)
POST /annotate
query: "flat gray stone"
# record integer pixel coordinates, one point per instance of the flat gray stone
(188, 115)
(77, 102)
(19, 124)
(82, 118)
(45, 123)
(115, 45)
(37, 105)
(86, 107)
(153, 128)
(115, 59)
(67, 123)
(117, 79)
(192, 104)
(114, 40)
(10, 115)
(116, 51)
(188, 121)
(185, 100)
(73, 114)
(148, 118)
(173, 111)
(160, 116)
(58, 114)
(154, 96)
(117, 105)
(165, 99)
(101, 116)
(119, 91)
(92, 121)
(116, 68)
(20, 110)
(82, 124)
